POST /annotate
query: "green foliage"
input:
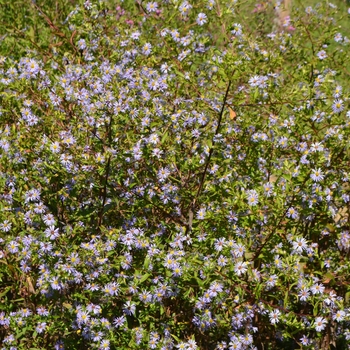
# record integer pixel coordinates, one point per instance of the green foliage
(173, 174)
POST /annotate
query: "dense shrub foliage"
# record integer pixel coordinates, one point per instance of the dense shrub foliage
(174, 176)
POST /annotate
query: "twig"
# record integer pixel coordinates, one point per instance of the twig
(193, 204)
(104, 193)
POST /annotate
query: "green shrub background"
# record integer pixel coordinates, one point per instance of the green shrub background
(174, 175)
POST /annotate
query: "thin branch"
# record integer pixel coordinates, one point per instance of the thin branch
(104, 193)
(193, 204)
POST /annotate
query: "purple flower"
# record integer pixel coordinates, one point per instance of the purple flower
(145, 296)
(129, 308)
(300, 244)
(292, 213)
(119, 321)
(146, 49)
(253, 197)
(320, 324)
(5, 226)
(201, 19)
(40, 328)
(274, 316)
(322, 55)
(317, 175)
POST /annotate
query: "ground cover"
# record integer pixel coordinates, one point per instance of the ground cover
(174, 174)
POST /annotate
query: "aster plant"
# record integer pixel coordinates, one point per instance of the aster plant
(173, 176)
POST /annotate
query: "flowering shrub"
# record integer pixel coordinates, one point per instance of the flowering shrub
(172, 177)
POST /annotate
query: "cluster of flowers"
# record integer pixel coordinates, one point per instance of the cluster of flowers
(144, 207)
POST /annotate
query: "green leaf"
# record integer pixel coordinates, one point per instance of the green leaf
(146, 263)
(286, 297)
(7, 289)
(164, 137)
(67, 305)
(145, 277)
(347, 297)
(176, 338)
